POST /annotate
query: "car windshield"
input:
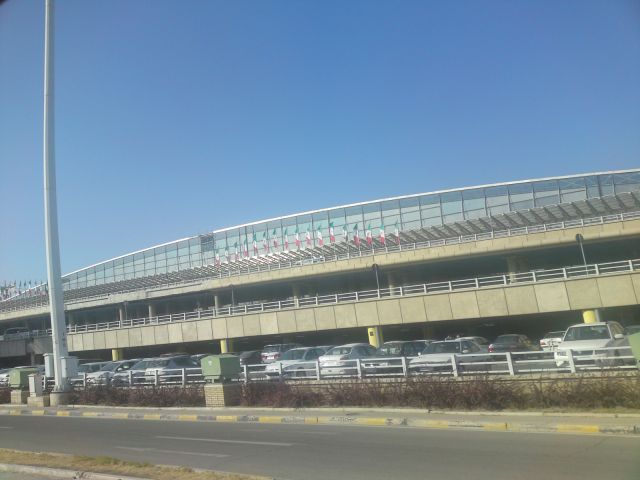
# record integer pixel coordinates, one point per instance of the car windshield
(271, 349)
(507, 339)
(390, 349)
(587, 332)
(293, 355)
(110, 367)
(443, 347)
(339, 351)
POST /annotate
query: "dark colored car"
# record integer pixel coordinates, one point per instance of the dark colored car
(271, 353)
(392, 350)
(513, 343)
(251, 357)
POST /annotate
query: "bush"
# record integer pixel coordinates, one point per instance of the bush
(5, 395)
(147, 396)
(475, 393)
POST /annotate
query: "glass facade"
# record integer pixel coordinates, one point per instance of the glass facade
(345, 223)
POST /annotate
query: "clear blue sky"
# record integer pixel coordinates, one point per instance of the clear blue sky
(174, 118)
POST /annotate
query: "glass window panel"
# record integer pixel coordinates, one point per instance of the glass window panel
(451, 203)
(372, 216)
(626, 182)
(572, 189)
(473, 203)
(288, 233)
(391, 215)
(497, 197)
(338, 219)
(521, 196)
(410, 213)
(546, 193)
(606, 184)
(453, 217)
(321, 223)
(354, 217)
(592, 187)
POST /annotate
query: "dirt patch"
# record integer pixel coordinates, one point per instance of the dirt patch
(114, 466)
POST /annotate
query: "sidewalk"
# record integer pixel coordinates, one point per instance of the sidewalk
(584, 423)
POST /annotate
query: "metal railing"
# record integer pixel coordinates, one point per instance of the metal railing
(323, 255)
(503, 280)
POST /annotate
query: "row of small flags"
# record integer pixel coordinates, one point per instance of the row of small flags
(8, 290)
(242, 249)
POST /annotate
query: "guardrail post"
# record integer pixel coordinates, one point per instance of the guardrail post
(156, 378)
(130, 378)
(280, 370)
(404, 366)
(318, 377)
(359, 367)
(631, 265)
(510, 363)
(245, 370)
(564, 272)
(572, 363)
(450, 288)
(184, 377)
(454, 365)
(84, 379)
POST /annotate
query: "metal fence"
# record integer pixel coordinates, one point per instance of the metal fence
(195, 276)
(535, 276)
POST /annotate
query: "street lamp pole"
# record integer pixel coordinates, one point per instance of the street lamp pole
(56, 301)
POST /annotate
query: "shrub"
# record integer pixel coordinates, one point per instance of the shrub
(5, 395)
(147, 396)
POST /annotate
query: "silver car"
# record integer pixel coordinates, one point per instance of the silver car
(437, 357)
(587, 341)
(295, 362)
(340, 360)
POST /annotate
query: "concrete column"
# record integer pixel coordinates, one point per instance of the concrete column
(153, 311)
(117, 354)
(591, 316)
(71, 321)
(516, 264)
(392, 283)
(375, 336)
(216, 302)
(226, 345)
(297, 293)
(122, 313)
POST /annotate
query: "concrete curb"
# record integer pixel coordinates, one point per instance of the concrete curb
(61, 473)
(399, 421)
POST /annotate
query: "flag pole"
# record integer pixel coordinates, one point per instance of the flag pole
(56, 301)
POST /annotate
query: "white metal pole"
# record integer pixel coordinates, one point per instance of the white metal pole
(56, 302)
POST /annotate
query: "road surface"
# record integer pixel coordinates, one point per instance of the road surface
(315, 452)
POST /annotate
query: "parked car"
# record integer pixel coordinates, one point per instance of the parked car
(294, 362)
(437, 356)
(87, 368)
(106, 373)
(380, 365)
(339, 360)
(271, 353)
(512, 343)
(631, 329)
(169, 369)
(135, 373)
(587, 340)
(481, 341)
(251, 357)
(4, 377)
(551, 340)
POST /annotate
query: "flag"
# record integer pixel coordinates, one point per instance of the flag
(275, 239)
(265, 241)
(286, 239)
(237, 251)
(217, 257)
(255, 244)
(226, 254)
(332, 236)
(297, 237)
(345, 234)
(382, 234)
(396, 232)
(308, 237)
(246, 246)
(368, 235)
(356, 237)
(319, 236)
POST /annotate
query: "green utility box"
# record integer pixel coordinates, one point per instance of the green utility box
(19, 377)
(634, 341)
(220, 368)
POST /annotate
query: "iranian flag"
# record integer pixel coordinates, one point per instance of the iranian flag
(396, 232)
(275, 239)
(382, 234)
(297, 238)
(308, 237)
(286, 239)
(368, 235)
(217, 258)
(319, 236)
(356, 236)
(332, 235)
(265, 241)
(246, 247)
(345, 234)
(237, 250)
(226, 254)
(255, 244)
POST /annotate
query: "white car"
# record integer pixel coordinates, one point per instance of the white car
(340, 360)
(551, 340)
(587, 340)
(437, 356)
(106, 373)
(295, 362)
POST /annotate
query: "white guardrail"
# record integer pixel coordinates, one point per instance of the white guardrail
(456, 365)
(232, 269)
(421, 289)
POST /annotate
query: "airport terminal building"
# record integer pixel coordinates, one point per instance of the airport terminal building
(517, 257)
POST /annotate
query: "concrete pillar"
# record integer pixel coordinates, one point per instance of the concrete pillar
(591, 316)
(122, 313)
(226, 345)
(70, 318)
(392, 283)
(117, 354)
(153, 311)
(216, 302)
(516, 264)
(375, 336)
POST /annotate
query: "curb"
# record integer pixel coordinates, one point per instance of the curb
(61, 473)
(341, 420)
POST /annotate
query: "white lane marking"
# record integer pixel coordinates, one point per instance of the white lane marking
(218, 440)
(6, 428)
(158, 450)
(310, 432)
(254, 429)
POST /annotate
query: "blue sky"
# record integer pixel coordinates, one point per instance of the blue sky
(175, 118)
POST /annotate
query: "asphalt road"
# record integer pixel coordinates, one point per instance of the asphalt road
(309, 452)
